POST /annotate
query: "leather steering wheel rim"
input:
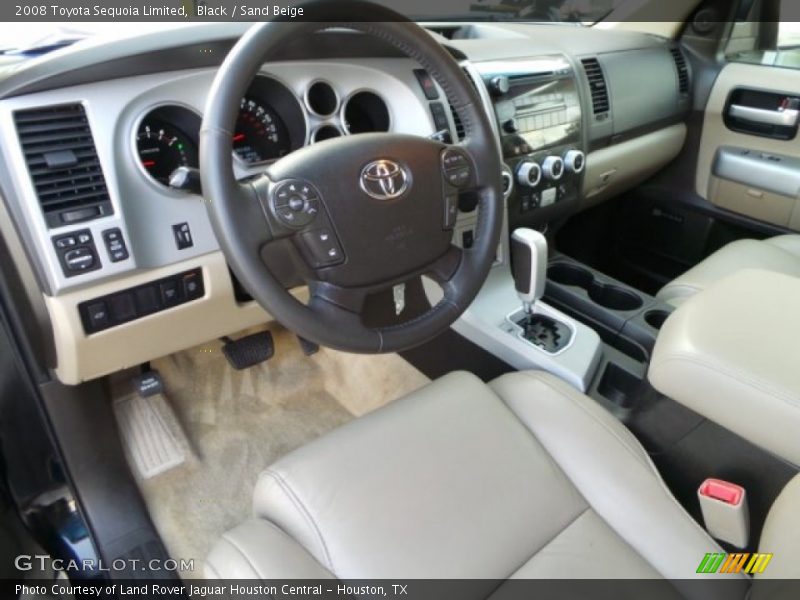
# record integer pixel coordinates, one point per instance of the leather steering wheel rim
(243, 217)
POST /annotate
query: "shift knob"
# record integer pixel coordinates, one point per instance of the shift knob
(529, 259)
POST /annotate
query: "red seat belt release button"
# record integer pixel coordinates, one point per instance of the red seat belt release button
(725, 512)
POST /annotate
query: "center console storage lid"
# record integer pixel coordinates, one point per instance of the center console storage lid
(731, 354)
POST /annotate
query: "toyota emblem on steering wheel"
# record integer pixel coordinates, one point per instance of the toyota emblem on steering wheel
(384, 179)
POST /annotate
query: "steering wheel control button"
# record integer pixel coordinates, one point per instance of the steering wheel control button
(295, 203)
(322, 248)
(456, 167)
(115, 245)
(183, 236)
(450, 211)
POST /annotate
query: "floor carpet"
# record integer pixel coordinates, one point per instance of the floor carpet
(238, 422)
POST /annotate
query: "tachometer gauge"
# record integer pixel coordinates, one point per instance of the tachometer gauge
(260, 134)
(162, 148)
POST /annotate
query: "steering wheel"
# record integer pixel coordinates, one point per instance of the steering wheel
(363, 212)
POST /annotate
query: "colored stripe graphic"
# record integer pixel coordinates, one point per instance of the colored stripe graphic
(719, 562)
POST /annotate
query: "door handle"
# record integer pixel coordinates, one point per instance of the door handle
(786, 117)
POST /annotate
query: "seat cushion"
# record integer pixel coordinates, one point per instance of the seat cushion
(525, 477)
(779, 254)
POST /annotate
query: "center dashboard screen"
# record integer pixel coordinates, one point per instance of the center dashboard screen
(537, 112)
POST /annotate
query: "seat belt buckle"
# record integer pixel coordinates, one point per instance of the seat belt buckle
(725, 511)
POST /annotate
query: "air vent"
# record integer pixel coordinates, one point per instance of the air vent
(59, 150)
(459, 125)
(683, 70)
(597, 85)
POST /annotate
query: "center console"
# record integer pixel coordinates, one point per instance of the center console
(538, 110)
(590, 330)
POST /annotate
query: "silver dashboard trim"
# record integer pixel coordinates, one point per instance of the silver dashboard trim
(346, 101)
(307, 103)
(143, 210)
(135, 151)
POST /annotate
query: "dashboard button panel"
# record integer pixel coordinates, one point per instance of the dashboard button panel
(115, 245)
(134, 303)
(76, 253)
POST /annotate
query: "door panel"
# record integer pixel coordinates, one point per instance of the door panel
(749, 158)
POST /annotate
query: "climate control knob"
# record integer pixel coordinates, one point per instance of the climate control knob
(553, 168)
(575, 161)
(529, 173)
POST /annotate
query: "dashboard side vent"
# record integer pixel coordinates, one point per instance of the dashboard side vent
(459, 126)
(683, 70)
(597, 85)
(62, 161)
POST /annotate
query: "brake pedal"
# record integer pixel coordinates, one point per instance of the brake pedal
(250, 350)
(309, 348)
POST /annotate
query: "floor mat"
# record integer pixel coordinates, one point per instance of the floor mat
(238, 422)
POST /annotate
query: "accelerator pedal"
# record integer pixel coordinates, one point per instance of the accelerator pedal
(250, 350)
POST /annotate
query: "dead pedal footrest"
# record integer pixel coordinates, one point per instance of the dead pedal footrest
(249, 351)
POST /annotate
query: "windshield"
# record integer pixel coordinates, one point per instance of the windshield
(30, 36)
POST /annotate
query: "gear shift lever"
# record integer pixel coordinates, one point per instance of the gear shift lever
(529, 253)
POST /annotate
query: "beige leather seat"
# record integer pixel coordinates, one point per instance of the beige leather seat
(523, 478)
(780, 254)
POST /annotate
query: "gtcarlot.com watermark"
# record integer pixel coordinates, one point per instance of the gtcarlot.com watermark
(42, 562)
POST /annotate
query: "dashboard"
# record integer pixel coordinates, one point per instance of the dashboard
(99, 149)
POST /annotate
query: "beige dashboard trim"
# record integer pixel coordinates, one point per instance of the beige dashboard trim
(613, 170)
(81, 357)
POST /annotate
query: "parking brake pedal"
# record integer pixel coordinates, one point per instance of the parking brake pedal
(151, 433)
(250, 350)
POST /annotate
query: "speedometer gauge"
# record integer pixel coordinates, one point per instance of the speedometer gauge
(162, 148)
(260, 134)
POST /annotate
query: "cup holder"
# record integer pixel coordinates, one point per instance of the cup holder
(606, 295)
(656, 318)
